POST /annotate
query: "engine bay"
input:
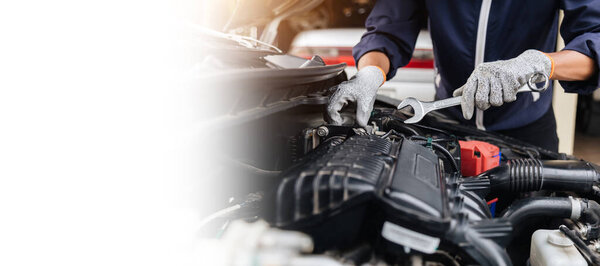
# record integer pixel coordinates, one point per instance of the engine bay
(396, 194)
(288, 188)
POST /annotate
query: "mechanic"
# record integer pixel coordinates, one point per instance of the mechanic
(515, 38)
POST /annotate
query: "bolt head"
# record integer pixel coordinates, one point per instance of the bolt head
(322, 131)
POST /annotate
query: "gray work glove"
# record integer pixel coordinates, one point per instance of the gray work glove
(496, 83)
(362, 89)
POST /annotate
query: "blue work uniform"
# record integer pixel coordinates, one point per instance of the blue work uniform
(468, 32)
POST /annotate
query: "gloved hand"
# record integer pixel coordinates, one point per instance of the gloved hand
(496, 83)
(362, 89)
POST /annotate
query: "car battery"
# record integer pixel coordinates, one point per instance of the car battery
(477, 157)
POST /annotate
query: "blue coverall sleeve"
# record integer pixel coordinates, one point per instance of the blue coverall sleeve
(392, 28)
(581, 31)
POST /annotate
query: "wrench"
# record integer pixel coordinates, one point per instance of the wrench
(422, 108)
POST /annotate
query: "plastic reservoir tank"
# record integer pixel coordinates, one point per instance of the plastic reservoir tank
(551, 247)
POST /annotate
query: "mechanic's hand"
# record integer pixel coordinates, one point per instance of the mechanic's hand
(496, 83)
(362, 89)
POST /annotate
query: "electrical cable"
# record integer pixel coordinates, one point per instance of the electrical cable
(390, 133)
(443, 150)
(398, 126)
(434, 140)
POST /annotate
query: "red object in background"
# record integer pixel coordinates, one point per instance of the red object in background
(348, 59)
(477, 157)
(422, 58)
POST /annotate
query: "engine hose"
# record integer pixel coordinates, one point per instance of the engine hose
(491, 253)
(591, 215)
(524, 175)
(544, 206)
(592, 212)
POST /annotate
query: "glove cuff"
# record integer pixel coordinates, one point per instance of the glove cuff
(382, 73)
(552, 67)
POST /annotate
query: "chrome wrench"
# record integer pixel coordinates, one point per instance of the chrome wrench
(420, 108)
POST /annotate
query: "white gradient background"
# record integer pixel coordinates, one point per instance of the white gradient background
(98, 160)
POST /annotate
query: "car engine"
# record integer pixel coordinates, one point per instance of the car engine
(403, 196)
(398, 192)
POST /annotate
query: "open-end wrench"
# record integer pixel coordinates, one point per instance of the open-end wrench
(422, 108)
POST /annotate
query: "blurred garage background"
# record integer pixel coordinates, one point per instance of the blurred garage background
(330, 28)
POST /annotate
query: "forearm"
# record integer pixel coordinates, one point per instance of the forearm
(375, 58)
(572, 65)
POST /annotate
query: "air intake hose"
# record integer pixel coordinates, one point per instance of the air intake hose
(546, 206)
(532, 175)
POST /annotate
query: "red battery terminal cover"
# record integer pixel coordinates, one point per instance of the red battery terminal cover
(477, 157)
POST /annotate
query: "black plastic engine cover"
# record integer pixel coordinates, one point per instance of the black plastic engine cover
(336, 173)
(347, 189)
(417, 174)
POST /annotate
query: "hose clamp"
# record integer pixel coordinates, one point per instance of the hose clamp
(575, 208)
